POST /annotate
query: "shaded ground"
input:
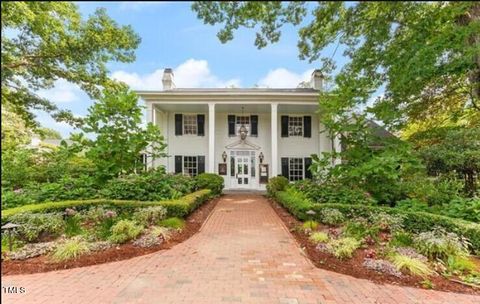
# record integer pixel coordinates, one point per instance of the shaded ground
(242, 254)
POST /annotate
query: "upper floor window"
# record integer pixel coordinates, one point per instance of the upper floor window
(295, 126)
(190, 124)
(242, 120)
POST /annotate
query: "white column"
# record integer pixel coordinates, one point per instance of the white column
(150, 118)
(338, 148)
(211, 137)
(274, 132)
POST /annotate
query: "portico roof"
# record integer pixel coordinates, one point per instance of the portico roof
(231, 95)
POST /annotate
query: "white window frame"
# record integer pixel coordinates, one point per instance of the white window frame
(296, 170)
(238, 123)
(186, 169)
(293, 122)
(190, 124)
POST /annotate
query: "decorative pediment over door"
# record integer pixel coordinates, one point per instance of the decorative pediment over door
(242, 145)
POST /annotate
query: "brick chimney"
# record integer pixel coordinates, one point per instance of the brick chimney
(167, 79)
(316, 81)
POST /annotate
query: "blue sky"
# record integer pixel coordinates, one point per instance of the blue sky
(172, 36)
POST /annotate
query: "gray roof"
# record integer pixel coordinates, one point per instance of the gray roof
(231, 90)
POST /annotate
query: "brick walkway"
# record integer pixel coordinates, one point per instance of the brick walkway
(243, 254)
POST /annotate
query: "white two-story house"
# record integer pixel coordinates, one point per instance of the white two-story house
(245, 135)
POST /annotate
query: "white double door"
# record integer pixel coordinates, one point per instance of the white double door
(242, 172)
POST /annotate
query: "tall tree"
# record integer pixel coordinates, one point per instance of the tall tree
(46, 41)
(425, 54)
(117, 135)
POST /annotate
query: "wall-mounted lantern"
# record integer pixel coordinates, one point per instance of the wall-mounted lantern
(224, 156)
(261, 157)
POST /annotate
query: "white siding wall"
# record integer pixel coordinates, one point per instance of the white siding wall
(198, 145)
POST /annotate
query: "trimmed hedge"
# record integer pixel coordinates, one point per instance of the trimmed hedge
(175, 208)
(412, 221)
(210, 181)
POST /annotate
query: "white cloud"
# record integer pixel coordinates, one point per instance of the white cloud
(190, 74)
(62, 92)
(283, 78)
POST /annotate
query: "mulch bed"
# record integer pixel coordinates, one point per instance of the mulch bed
(122, 252)
(354, 267)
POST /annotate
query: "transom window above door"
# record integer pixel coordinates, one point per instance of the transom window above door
(190, 124)
(295, 126)
(242, 120)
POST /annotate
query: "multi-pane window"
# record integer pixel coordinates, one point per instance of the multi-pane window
(242, 120)
(295, 169)
(295, 126)
(190, 165)
(190, 124)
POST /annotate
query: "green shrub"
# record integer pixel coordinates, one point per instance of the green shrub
(148, 186)
(173, 222)
(464, 208)
(275, 184)
(439, 244)
(344, 247)
(331, 216)
(179, 207)
(413, 222)
(34, 226)
(359, 229)
(329, 192)
(319, 237)
(401, 239)
(149, 215)
(411, 265)
(73, 225)
(210, 181)
(20, 197)
(294, 202)
(460, 264)
(387, 222)
(310, 225)
(124, 231)
(70, 249)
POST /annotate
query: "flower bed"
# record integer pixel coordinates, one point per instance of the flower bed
(385, 244)
(64, 231)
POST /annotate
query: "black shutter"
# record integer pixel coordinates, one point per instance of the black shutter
(284, 120)
(201, 164)
(178, 124)
(285, 167)
(307, 126)
(254, 125)
(178, 164)
(200, 124)
(307, 164)
(231, 125)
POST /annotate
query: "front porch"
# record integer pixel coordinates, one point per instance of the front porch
(244, 163)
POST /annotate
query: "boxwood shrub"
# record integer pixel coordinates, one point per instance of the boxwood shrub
(414, 222)
(178, 207)
(210, 181)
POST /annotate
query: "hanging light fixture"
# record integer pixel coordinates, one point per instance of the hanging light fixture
(243, 130)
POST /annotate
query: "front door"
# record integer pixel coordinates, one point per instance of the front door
(242, 172)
